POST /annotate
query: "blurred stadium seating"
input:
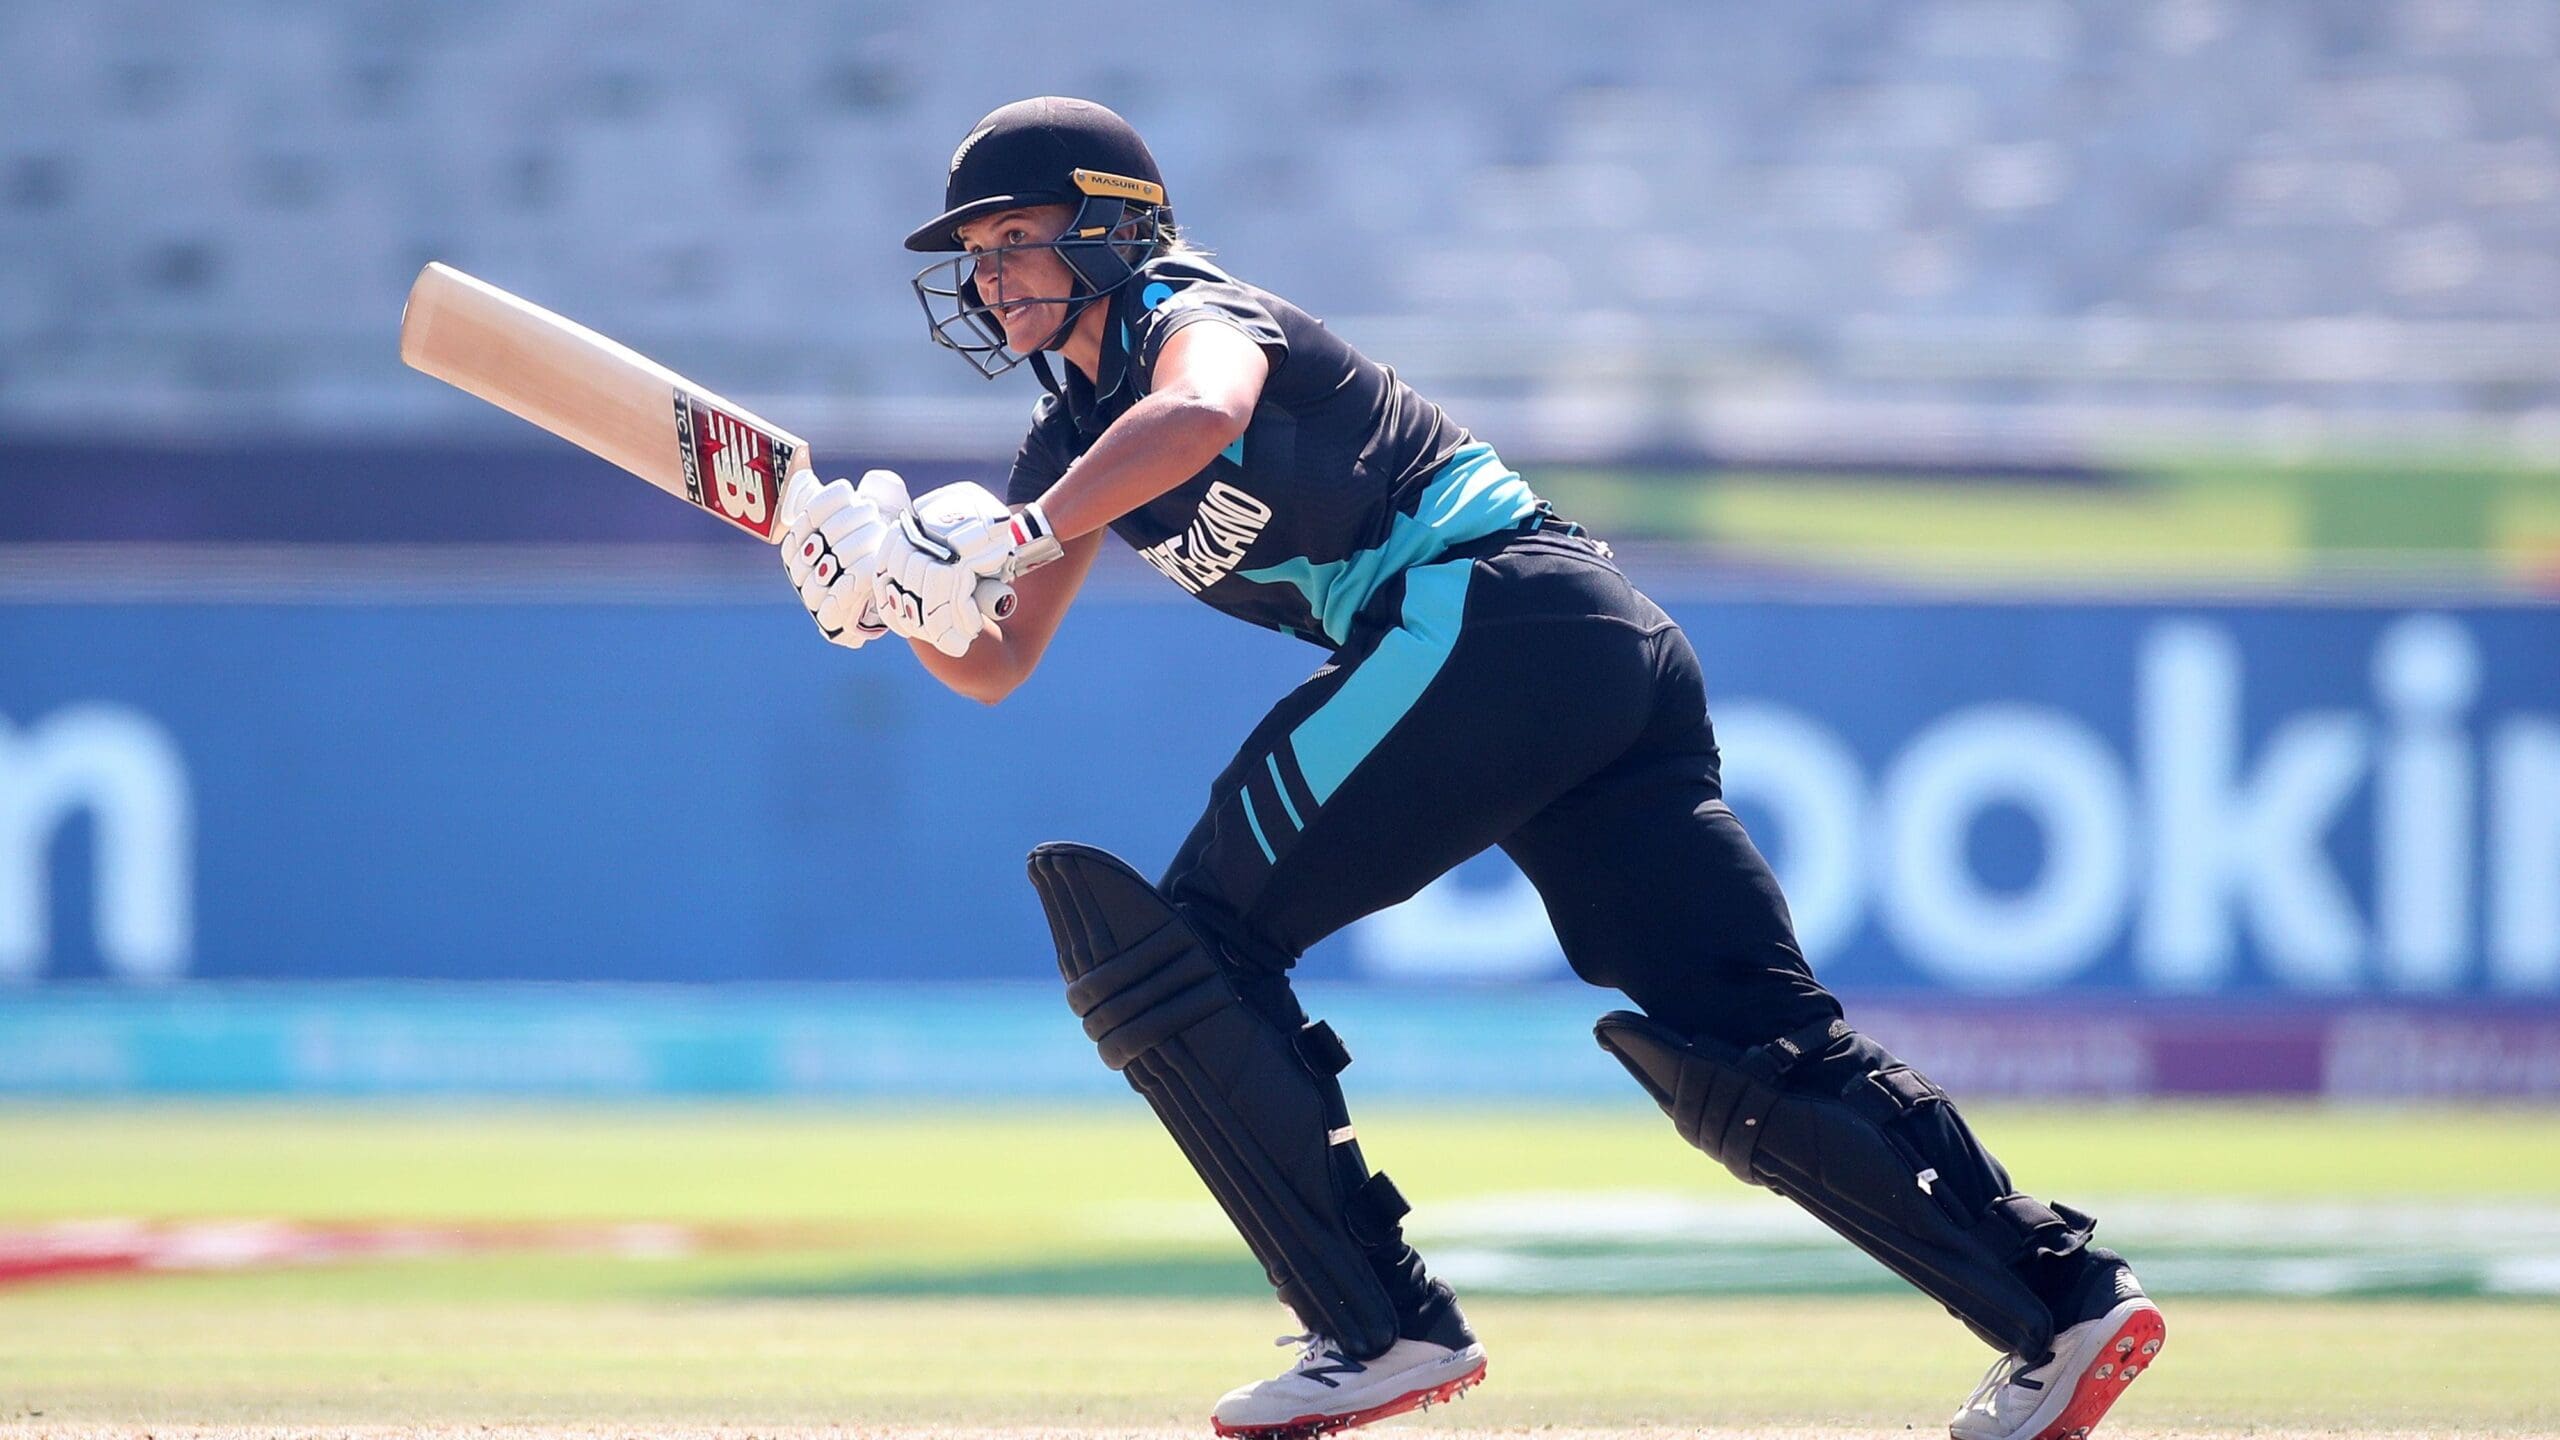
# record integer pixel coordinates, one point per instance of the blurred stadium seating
(1980, 229)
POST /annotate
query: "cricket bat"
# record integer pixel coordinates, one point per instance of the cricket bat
(610, 400)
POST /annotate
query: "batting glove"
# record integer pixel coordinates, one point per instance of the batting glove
(984, 536)
(944, 568)
(830, 545)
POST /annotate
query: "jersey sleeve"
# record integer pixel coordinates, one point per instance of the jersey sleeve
(1048, 448)
(1171, 307)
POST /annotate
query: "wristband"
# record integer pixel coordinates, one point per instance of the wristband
(1034, 544)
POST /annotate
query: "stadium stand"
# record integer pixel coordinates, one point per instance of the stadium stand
(1642, 223)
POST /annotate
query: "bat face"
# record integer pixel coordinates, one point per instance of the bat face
(610, 400)
(601, 396)
(734, 467)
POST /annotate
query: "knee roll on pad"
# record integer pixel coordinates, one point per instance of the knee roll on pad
(1254, 1108)
(1879, 1156)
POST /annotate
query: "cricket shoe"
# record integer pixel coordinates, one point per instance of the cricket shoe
(1326, 1390)
(2063, 1394)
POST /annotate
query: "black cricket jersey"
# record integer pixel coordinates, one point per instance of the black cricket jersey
(1345, 478)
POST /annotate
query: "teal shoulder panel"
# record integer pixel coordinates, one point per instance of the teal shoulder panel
(1472, 496)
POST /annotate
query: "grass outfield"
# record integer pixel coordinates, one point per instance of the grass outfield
(2148, 522)
(768, 1323)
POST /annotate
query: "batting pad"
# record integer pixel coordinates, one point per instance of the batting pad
(1882, 1160)
(1254, 1108)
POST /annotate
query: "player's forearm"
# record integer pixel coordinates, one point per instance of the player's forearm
(988, 673)
(1006, 655)
(1162, 441)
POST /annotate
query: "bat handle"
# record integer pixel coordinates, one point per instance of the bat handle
(995, 599)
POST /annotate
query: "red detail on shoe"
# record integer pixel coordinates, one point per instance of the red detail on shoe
(2092, 1393)
(1310, 1425)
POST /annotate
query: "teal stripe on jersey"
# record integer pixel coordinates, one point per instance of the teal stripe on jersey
(1472, 496)
(1256, 822)
(1332, 742)
(1281, 787)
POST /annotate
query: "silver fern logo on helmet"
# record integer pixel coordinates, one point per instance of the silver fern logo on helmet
(965, 146)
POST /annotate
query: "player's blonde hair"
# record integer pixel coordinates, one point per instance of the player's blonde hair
(1173, 240)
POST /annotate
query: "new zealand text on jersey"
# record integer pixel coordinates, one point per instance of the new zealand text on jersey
(1226, 525)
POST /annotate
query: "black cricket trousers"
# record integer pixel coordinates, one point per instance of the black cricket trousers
(1516, 692)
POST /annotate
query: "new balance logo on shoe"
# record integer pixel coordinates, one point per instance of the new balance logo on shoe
(1326, 1390)
(1341, 1365)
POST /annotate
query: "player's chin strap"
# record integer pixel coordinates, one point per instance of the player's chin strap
(1040, 366)
(1830, 1120)
(1039, 356)
(1094, 255)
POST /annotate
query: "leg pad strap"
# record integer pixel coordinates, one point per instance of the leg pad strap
(1254, 1106)
(1872, 1149)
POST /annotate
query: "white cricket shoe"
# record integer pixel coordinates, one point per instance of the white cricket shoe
(2064, 1395)
(1326, 1390)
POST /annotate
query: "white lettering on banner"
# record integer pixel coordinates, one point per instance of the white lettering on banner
(125, 771)
(2426, 672)
(2199, 844)
(2524, 857)
(1804, 778)
(2217, 837)
(1456, 931)
(2047, 764)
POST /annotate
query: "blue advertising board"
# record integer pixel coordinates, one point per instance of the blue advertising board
(2248, 800)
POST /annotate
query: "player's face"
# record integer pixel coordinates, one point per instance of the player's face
(1029, 288)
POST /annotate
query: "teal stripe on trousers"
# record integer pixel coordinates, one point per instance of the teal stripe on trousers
(1256, 822)
(1281, 787)
(1332, 742)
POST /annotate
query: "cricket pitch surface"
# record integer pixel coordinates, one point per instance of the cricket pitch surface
(526, 1273)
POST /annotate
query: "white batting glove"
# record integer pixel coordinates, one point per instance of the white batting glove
(831, 538)
(922, 594)
(944, 566)
(983, 535)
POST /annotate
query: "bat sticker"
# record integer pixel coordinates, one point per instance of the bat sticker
(732, 468)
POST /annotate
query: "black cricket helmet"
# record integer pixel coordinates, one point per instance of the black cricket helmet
(1047, 151)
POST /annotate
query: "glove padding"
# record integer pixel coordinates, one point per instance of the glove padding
(937, 568)
(831, 537)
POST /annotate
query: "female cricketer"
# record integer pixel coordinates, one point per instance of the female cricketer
(1493, 680)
